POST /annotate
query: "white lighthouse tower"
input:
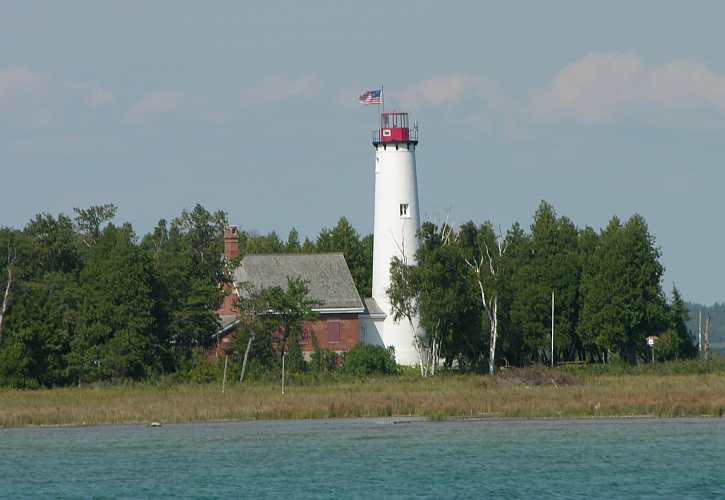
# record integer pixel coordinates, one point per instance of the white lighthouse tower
(397, 220)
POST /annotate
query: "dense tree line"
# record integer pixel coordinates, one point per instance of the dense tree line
(83, 299)
(484, 298)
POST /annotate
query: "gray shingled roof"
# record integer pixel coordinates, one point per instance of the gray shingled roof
(327, 277)
(372, 307)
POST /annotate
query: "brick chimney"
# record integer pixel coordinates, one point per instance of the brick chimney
(231, 242)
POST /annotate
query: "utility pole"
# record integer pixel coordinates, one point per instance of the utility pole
(699, 334)
(706, 346)
(552, 328)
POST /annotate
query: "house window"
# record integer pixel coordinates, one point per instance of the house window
(333, 332)
(404, 210)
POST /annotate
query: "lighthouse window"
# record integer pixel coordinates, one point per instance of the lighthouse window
(404, 210)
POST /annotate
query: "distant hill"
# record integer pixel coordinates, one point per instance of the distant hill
(717, 316)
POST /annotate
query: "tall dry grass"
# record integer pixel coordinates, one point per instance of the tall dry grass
(536, 393)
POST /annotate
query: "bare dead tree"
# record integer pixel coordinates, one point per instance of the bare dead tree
(483, 263)
(12, 257)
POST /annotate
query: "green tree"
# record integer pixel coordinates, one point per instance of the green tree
(437, 287)
(483, 251)
(55, 245)
(14, 267)
(308, 246)
(295, 359)
(358, 254)
(40, 302)
(252, 243)
(404, 297)
(115, 335)
(550, 266)
(513, 281)
(40, 332)
(254, 341)
(90, 220)
(678, 316)
(188, 275)
(622, 299)
(293, 242)
(289, 309)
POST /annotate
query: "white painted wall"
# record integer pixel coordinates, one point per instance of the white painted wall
(396, 183)
(371, 330)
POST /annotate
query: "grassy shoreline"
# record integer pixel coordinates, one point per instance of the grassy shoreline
(522, 394)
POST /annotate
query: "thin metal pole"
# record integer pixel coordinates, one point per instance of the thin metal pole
(699, 334)
(283, 373)
(552, 328)
(380, 115)
(706, 339)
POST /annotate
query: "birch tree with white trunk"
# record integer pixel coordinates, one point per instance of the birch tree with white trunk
(417, 292)
(10, 283)
(404, 296)
(484, 259)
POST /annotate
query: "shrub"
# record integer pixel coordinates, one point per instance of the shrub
(295, 359)
(366, 359)
(667, 346)
(322, 360)
(205, 371)
(260, 352)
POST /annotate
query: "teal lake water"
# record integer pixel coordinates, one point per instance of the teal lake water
(370, 458)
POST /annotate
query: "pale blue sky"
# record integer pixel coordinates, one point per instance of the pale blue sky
(601, 108)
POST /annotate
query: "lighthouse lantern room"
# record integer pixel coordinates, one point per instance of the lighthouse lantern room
(394, 128)
(397, 221)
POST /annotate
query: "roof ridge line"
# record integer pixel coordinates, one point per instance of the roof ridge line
(286, 254)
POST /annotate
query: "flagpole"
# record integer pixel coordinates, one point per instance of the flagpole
(380, 118)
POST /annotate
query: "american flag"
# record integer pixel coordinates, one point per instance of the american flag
(372, 97)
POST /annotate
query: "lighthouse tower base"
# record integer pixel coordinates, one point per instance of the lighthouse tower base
(378, 328)
(397, 334)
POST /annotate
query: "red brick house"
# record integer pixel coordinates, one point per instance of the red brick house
(330, 284)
